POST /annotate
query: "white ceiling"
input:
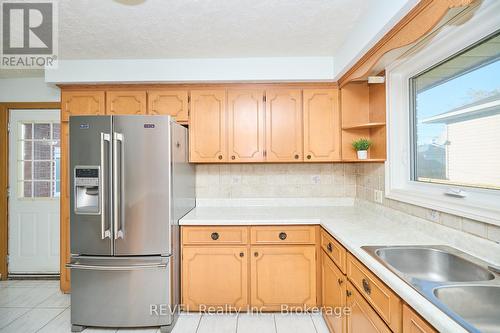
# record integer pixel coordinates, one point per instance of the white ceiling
(148, 29)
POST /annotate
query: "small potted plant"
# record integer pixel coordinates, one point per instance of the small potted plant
(361, 146)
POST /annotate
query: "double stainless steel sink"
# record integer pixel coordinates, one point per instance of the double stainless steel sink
(464, 287)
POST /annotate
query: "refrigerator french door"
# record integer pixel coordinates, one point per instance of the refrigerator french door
(131, 182)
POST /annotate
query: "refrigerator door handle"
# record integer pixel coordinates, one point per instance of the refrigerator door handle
(118, 190)
(105, 233)
(114, 268)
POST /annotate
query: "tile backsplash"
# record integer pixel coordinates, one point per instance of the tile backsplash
(275, 180)
(370, 177)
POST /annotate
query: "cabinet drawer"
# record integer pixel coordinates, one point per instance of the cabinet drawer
(214, 235)
(413, 323)
(286, 234)
(334, 250)
(387, 304)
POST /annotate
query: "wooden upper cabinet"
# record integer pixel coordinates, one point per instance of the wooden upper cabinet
(169, 102)
(81, 103)
(321, 125)
(413, 323)
(207, 126)
(284, 125)
(126, 102)
(283, 274)
(245, 125)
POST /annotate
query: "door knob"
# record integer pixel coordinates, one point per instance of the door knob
(219, 157)
(366, 287)
(215, 235)
(348, 293)
(256, 254)
(340, 281)
(233, 157)
(308, 157)
(329, 247)
(282, 235)
(296, 156)
(242, 254)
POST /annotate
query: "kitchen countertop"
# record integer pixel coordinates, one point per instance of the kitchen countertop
(354, 224)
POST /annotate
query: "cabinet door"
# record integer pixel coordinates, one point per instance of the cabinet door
(214, 276)
(283, 275)
(169, 102)
(413, 323)
(363, 319)
(127, 102)
(284, 126)
(321, 125)
(245, 125)
(333, 293)
(64, 209)
(81, 103)
(207, 126)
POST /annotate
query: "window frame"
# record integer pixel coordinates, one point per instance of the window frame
(479, 204)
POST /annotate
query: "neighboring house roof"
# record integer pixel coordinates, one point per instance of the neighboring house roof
(481, 108)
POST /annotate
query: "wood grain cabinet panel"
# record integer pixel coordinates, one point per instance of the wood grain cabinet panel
(333, 294)
(214, 276)
(285, 234)
(127, 102)
(81, 103)
(334, 250)
(284, 125)
(64, 212)
(363, 319)
(169, 102)
(207, 126)
(283, 275)
(413, 323)
(383, 300)
(245, 125)
(214, 235)
(321, 125)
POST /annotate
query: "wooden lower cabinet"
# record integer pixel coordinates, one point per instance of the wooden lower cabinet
(214, 276)
(363, 319)
(413, 323)
(333, 294)
(282, 275)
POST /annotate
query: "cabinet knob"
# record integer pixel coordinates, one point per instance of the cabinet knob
(242, 254)
(329, 247)
(219, 157)
(348, 293)
(308, 157)
(366, 287)
(233, 157)
(296, 156)
(215, 235)
(256, 254)
(282, 235)
(340, 281)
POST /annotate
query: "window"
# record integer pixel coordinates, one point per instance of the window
(39, 160)
(456, 119)
(443, 118)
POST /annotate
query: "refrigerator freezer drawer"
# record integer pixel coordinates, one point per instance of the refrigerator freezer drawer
(121, 292)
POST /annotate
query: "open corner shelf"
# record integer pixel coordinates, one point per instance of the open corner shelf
(370, 160)
(363, 126)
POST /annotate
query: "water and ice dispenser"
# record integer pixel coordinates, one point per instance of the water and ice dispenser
(88, 190)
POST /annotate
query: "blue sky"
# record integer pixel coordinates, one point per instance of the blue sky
(452, 94)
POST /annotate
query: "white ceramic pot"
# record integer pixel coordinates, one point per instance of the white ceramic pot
(362, 154)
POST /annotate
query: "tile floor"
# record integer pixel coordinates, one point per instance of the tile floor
(39, 306)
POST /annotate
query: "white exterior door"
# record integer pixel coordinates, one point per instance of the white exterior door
(34, 161)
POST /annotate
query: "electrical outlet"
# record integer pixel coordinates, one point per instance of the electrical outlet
(378, 196)
(316, 179)
(433, 215)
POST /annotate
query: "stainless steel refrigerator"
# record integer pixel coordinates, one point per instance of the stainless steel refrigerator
(130, 184)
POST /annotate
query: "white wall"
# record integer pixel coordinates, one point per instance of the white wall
(193, 70)
(30, 89)
(373, 25)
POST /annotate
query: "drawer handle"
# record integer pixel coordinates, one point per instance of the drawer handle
(256, 254)
(282, 235)
(366, 287)
(340, 281)
(329, 247)
(242, 254)
(215, 235)
(348, 293)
